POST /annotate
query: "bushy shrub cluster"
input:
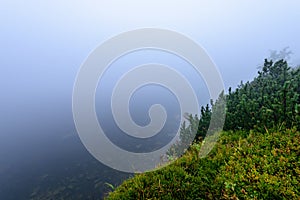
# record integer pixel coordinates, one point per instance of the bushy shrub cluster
(272, 98)
(242, 165)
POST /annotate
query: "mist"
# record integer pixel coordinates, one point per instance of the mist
(43, 45)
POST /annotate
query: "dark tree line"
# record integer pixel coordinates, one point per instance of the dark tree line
(271, 100)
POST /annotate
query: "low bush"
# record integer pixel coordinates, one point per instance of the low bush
(242, 165)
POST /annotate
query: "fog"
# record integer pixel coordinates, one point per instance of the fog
(43, 45)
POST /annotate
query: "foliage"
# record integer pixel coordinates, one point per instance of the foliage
(270, 99)
(196, 129)
(241, 166)
(257, 156)
(263, 166)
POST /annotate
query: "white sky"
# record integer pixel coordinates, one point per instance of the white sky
(237, 34)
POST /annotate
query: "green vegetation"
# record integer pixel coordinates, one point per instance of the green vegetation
(256, 157)
(242, 165)
(271, 99)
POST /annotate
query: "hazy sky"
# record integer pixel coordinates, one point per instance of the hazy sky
(43, 44)
(55, 37)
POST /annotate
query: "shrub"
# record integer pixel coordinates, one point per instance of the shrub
(243, 165)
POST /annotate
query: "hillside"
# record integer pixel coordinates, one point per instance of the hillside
(243, 165)
(257, 155)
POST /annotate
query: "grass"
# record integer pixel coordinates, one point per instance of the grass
(242, 165)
